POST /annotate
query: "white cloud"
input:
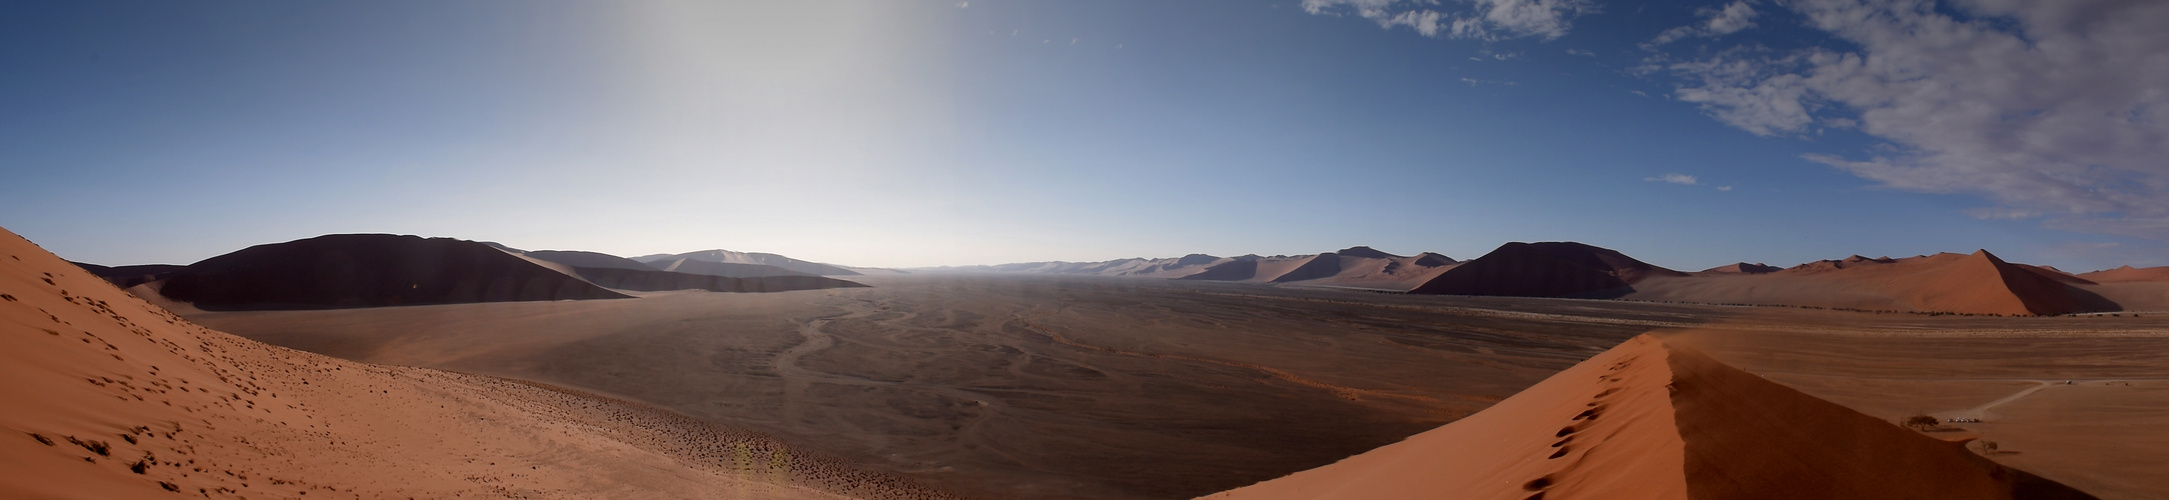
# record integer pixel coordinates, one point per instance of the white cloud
(961, 5)
(1681, 179)
(2048, 109)
(1577, 52)
(1716, 22)
(1477, 19)
(1724, 188)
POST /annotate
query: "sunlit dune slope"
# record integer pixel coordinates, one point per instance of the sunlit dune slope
(1648, 420)
(1977, 283)
(107, 397)
(2128, 274)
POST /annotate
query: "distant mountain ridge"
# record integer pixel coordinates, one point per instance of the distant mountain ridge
(1357, 267)
(766, 259)
(1977, 283)
(379, 270)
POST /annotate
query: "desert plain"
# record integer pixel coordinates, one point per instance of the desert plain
(1032, 386)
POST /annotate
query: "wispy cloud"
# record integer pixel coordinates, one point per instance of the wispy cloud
(962, 5)
(1480, 20)
(2051, 110)
(1716, 22)
(1682, 179)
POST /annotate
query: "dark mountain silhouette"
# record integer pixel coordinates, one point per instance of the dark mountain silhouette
(1551, 269)
(1743, 268)
(370, 270)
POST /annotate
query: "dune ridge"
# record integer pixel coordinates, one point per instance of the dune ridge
(1547, 269)
(1354, 267)
(112, 397)
(1976, 283)
(765, 259)
(370, 270)
(1651, 420)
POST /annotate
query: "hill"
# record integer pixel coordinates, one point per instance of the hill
(725, 269)
(1646, 420)
(370, 270)
(1549, 269)
(766, 259)
(2128, 274)
(111, 397)
(1977, 283)
(1357, 267)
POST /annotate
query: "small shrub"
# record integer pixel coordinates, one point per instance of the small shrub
(1922, 422)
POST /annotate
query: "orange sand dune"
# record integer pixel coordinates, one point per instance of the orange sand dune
(108, 396)
(1648, 420)
(2128, 274)
(1978, 283)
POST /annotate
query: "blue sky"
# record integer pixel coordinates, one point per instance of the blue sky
(918, 133)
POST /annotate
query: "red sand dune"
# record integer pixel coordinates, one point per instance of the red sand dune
(108, 396)
(2128, 274)
(1648, 420)
(1978, 283)
(1742, 268)
(370, 270)
(1550, 269)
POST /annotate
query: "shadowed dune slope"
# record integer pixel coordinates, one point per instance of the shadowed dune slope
(1978, 283)
(370, 270)
(1549, 269)
(1648, 420)
(110, 397)
(1321, 266)
(1236, 269)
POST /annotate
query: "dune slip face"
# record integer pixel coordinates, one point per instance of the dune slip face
(1648, 420)
(108, 396)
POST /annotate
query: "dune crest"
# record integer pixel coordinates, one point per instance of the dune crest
(1976, 283)
(1548, 269)
(2128, 274)
(370, 270)
(108, 396)
(1650, 420)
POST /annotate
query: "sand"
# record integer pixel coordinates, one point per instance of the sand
(1017, 386)
(370, 270)
(111, 397)
(1978, 283)
(1647, 420)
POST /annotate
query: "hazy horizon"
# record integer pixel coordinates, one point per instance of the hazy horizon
(930, 133)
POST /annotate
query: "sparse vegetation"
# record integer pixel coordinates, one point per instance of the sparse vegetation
(1922, 422)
